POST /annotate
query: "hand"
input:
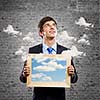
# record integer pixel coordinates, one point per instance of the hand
(70, 70)
(26, 70)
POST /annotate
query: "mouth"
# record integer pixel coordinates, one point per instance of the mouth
(52, 32)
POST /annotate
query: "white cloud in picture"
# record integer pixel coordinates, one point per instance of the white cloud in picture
(40, 59)
(49, 66)
(41, 76)
(44, 68)
(47, 78)
(55, 65)
(37, 75)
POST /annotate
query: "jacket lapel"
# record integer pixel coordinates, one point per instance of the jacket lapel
(58, 49)
(40, 50)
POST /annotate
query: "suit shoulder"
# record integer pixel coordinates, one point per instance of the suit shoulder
(35, 48)
(63, 47)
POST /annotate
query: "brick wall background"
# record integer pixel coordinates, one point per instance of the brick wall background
(24, 16)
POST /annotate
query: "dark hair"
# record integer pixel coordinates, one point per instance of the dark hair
(43, 21)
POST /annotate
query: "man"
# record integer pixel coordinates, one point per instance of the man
(48, 31)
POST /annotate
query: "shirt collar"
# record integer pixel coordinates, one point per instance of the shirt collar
(54, 46)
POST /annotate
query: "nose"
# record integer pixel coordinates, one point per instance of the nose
(52, 26)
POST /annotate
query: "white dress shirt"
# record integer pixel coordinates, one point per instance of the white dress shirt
(45, 51)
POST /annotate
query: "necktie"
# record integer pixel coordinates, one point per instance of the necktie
(50, 50)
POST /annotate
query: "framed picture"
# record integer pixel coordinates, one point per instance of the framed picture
(48, 70)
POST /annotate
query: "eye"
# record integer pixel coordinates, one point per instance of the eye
(46, 25)
(54, 24)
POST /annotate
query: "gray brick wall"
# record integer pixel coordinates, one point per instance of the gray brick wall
(24, 16)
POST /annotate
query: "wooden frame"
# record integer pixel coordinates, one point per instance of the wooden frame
(48, 70)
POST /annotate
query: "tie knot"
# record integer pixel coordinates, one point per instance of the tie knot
(50, 50)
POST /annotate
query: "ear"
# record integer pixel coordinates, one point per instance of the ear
(41, 34)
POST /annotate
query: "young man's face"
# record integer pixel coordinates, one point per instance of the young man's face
(49, 29)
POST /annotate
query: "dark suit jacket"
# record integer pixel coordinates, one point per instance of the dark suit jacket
(46, 90)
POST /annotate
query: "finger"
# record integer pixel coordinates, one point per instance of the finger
(71, 72)
(26, 73)
(26, 70)
(25, 63)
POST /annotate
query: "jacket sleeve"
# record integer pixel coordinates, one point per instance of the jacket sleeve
(74, 77)
(22, 77)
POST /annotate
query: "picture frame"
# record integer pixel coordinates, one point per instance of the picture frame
(48, 70)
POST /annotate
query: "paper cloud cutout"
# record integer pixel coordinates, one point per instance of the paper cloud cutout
(10, 30)
(28, 37)
(64, 35)
(73, 52)
(84, 40)
(82, 22)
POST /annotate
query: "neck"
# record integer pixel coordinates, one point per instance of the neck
(49, 42)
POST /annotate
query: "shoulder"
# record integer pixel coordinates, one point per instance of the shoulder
(35, 49)
(62, 47)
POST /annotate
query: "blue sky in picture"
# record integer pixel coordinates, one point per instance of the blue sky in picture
(48, 70)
